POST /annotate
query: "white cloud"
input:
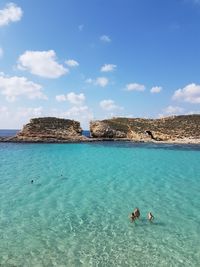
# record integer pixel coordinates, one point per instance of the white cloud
(15, 118)
(193, 112)
(101, 81)
(172, 110)
(41, 63)
(76, 99)
(13, 87)
(29, 112)
(80, 113)
(108, 67)
(4, 112)
(11, 13)
(156, 89)
(61, 98)
(72, 63)
(1, 52)
(105, 38)
(135, 87)
(190, 94)
(76, 111)
(109, 104)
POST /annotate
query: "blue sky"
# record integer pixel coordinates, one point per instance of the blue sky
(96, 59)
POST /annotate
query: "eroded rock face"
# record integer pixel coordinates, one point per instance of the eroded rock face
(50, 129)
(165, 129)
(101, 129)
(176, 129)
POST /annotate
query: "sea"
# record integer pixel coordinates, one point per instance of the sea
(76, 210)
(8, 132)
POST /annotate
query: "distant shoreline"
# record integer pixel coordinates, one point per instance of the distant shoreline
(98, 140)
(183, 129)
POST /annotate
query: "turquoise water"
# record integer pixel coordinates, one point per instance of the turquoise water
(76, 211)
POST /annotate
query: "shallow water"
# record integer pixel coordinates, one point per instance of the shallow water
(76, 211)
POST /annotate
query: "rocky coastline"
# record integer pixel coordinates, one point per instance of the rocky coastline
(48, 130)
(184, 129)
(173, 129)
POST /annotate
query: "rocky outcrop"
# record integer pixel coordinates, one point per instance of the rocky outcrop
(184, 128)
(50, 129)
(175, 129)
(103, 129)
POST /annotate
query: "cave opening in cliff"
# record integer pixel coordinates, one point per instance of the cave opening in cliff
(150, 134)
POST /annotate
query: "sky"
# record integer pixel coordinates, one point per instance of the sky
(96, 59)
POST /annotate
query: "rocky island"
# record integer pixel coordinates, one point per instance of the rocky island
(174, 129)
(49, 129)
(180, 129)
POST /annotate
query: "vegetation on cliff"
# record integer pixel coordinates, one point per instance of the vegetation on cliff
(50, 129)
(183, 129)
(164, 129)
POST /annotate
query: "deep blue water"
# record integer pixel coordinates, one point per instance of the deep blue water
(7, 133)
(86, 133)
(76, 211)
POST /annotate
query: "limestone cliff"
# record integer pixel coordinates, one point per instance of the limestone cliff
(50, 129)
(184, 128)
(177, 129)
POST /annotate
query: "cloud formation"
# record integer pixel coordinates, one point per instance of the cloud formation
(1, 52)
(4, 111)
(135, 87)
(72, 63)
(80, 113)
(15, 118)
(105, 39)
(76, 111)
(99, 81)
(109, 104)
(29, 112)
(156, 89)
(11, 13)
(75, 99)
(173, 110)
(108, 67)
(13, 87)
(41, 63)
(190, 94)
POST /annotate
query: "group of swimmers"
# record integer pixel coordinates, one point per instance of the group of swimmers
(136, 215)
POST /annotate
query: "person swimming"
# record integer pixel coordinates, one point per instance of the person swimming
(150, 216)
(136, 213)
(32, 181)
(132, 217)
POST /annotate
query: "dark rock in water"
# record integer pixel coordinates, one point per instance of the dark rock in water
(50, 129)
(184, 128)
